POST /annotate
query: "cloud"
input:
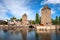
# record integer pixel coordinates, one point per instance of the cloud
(53, 11)
(54, 1)
(50, 2)
(40, 11)
(3, 12)
(18, 8)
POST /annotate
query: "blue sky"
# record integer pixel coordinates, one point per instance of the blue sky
(16, 8)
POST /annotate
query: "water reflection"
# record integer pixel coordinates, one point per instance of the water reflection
(30, 35)
(43, 36)
(24, 34)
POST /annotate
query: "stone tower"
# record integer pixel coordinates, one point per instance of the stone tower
(46, 15)
(24, 19)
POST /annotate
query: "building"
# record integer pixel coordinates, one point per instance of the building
(46, 15)
(2, 22)
(14, 22)
(17, 22)
(10, 22)
(24, 20)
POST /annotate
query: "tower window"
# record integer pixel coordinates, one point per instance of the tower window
(47, 23)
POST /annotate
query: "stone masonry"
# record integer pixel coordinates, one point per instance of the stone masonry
(46, 15)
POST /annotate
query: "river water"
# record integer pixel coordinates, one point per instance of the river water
(30, 35)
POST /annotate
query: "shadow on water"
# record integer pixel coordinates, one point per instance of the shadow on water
(5, 30)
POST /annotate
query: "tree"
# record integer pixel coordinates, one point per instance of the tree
(59, 20)
(33, 22)
(53, 21)
(40, 20)
(56, 20)
(13, 18)
(20, 19)
(37, 18)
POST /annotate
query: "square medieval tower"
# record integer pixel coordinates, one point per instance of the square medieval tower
(46, 15)
(24, 19)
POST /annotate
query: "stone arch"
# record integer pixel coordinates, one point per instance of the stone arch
(31, 26)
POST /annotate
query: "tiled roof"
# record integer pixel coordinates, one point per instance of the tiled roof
(46, 7)
(24, 14)
(2, 22)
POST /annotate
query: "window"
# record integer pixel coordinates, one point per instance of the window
(47, 23)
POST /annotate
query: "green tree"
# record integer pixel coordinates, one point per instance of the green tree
(40, 20)
(13, 18)
(56, 20)
(53, 21)
(59, 20)
(37, 18)
(33, 22)
(20, 19)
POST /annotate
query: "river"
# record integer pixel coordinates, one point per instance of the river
(29, 35)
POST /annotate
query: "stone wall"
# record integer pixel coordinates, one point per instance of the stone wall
(46, 16)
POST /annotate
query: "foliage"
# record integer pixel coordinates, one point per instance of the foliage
(33, 22)
(40, 20)
(56, 20)
(59, 20)
(53, 21)
(13, 18)
(20, 19)
(37, 18)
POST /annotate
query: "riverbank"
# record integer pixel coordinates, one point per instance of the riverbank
(26, 27)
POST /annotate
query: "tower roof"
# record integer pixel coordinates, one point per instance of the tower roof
(24, 14)
(46, 7)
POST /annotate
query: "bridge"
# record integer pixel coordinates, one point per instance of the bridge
(15, 27)
(57, 27)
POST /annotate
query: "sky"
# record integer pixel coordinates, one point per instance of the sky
(16, 8)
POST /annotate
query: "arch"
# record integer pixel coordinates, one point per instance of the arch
(31, 26)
